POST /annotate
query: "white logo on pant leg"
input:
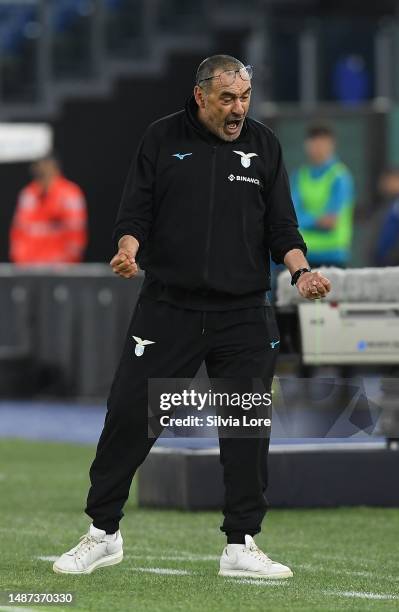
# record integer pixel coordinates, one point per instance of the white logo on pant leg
(246, 158)
(140, 346)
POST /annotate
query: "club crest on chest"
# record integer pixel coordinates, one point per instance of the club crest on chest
(246, 158)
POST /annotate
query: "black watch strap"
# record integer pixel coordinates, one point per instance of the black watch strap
(297, 274)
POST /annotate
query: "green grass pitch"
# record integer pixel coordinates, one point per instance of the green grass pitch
(345, 559)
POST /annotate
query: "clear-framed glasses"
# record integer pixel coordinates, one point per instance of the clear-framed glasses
(228, 77)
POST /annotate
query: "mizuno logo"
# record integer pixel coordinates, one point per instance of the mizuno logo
(274, 343)
(140, 346)
(245, 158)
(181, 155)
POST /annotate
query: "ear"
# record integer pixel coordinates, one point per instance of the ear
(199, 96)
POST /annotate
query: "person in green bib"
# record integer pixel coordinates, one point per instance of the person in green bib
(323, 194)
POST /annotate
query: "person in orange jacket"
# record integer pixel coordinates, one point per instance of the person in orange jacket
(50, 221)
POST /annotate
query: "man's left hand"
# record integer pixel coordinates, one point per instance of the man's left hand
(313, 285)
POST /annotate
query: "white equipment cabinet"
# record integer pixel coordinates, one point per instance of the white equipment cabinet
(349, 332)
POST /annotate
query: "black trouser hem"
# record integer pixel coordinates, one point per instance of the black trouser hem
(109, 529)
(236, 538)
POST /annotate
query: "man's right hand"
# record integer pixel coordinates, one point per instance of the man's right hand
(124, 262)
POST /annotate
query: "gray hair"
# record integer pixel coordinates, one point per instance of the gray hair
(208, 67)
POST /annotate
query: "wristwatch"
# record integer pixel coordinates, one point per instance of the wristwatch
(297, 274)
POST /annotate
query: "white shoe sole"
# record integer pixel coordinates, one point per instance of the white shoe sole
(248, 574)
(103, 562)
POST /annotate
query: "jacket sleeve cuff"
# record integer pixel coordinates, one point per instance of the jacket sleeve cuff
(117, 235)
(279, 254)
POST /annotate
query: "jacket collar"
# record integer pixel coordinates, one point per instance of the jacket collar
(191, 110)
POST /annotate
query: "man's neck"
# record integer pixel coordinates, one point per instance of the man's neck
(324, 164)
(45, 183)
(202, 119)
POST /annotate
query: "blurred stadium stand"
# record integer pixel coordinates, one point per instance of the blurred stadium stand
(72, 38)
(100, 70)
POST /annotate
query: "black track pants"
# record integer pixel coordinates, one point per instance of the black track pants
(234, 343)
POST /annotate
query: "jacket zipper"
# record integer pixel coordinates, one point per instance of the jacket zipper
(211, 206)
(246, 238)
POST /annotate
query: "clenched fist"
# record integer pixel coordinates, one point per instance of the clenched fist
(313, 285)
(124, 262)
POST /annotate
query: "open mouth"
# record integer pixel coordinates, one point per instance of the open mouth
(232, 126)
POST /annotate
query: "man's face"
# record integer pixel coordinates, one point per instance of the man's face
(319, 149)
(223, 109)
(44, 169)
(389, 185)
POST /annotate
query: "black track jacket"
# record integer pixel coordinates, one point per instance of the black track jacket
(208, 213)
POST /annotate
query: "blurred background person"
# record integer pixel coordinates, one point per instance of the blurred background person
(351, 81)
(323, 195)
(387, 243)
(50, 220)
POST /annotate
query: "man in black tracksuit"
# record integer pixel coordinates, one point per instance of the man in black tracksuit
(206, 201)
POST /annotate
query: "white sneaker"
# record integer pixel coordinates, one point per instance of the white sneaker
(247, 560)
(95, 549)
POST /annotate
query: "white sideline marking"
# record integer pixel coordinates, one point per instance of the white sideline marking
(175, 557)
(329, 570)
(327, 557)
(341, 558)
(185, 557)
(44, 558)
(361, 595)
(337, 572)
(162, 570)
(258, 581)
(19, 531)
(197, 557)
(14, 609)
(186, 553)
(306, 566)
(361, 574)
